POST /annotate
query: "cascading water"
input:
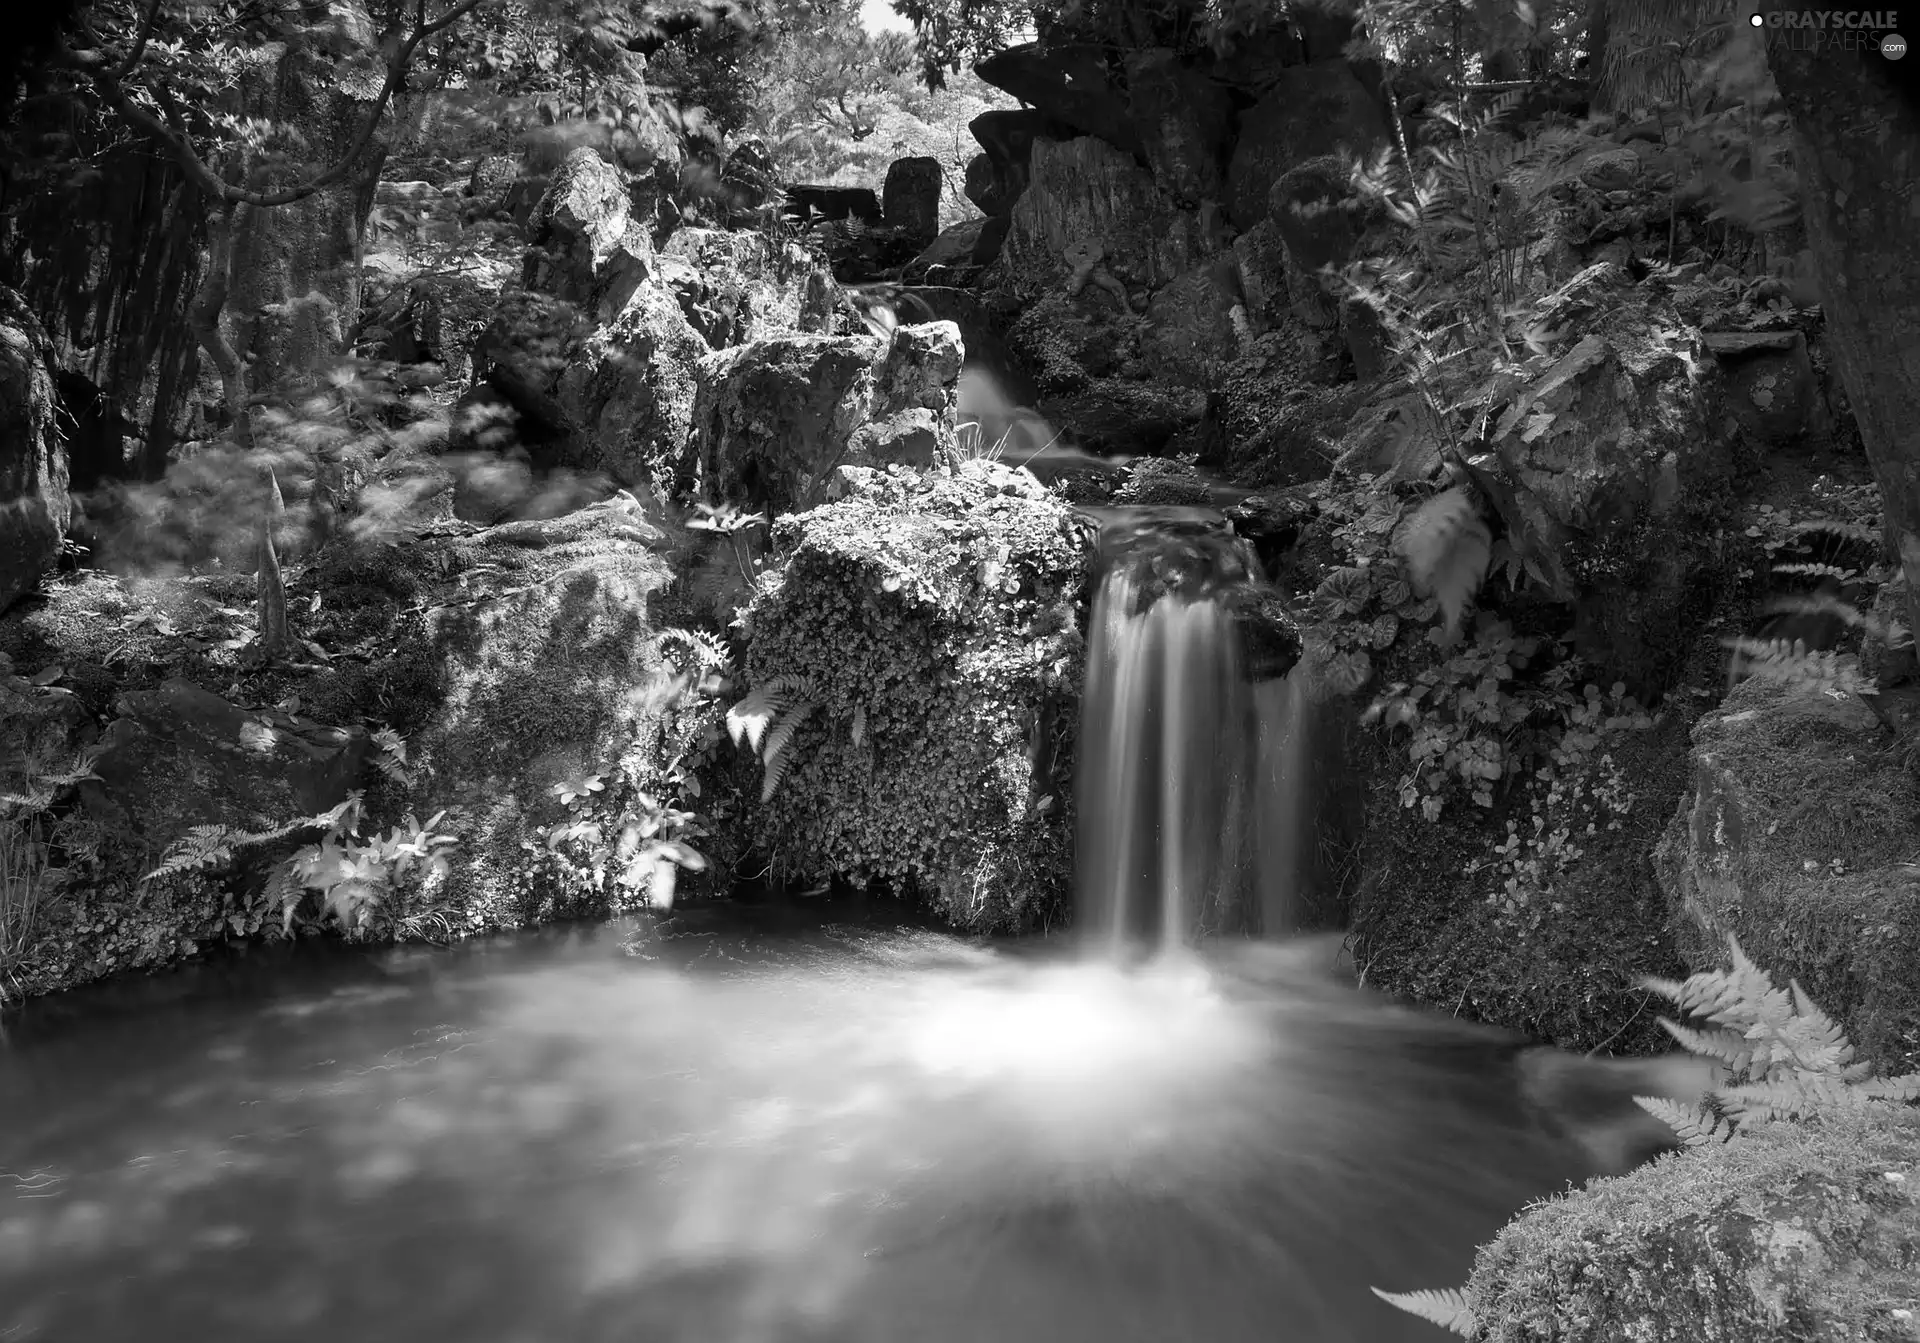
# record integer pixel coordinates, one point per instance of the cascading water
(1188, 771)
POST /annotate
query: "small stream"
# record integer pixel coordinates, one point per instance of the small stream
(749, 1125)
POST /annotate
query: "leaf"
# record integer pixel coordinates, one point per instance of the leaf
(1446, 1307)
(858, 732)
(47, 675)
(1446, 548)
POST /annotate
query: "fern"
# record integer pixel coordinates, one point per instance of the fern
(1446, 1307)
(1447, 549)
(204, 847)
(708, 653)
(1783, 1057)
(777, 758)
(767, 719)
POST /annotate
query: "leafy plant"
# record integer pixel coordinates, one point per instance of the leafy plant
(1445, 1306)
(633, 842)
(766, 721)
(1447, 548)
(30, 875)
(1781, 1056)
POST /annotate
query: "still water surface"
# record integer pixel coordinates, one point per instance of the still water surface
(747, 1126)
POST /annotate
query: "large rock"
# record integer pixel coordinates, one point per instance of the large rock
(775, 418)
(1065, 84)
(910, 197)
(1184, 122)
(934, 620)
(182, 756)
(1086, 193)
(1795, 837)
(34, 507)
(584, 244)
(1798, 1231)
(616, 398)
(998, 174)
(738, 286)
(1313, 110)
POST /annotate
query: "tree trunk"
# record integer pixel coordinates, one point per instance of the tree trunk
(1857, 147)
(209, 302)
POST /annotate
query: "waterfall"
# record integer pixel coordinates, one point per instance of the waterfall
(1189, 773)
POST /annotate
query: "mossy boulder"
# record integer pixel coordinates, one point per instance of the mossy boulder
(935, 622)
(512, 659)
(1796, 836)
(1807, 1232)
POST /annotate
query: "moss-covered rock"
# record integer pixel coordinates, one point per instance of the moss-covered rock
(935, 623)
(1796, 836)
(1561, 954)
(1806, 1232)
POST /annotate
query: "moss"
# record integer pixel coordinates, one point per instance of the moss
(1796, 1232)
(1423, 927)
(942, 615)
(1797, 840)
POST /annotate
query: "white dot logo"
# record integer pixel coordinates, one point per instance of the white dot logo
(1893, 46)
(1757, 20)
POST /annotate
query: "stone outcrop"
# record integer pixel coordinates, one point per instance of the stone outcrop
(1312, 110)
(34, 507)
(1065, 84)
(775, 418)
(1184, 122)
(584, 244)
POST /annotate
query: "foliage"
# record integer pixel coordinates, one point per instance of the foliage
(1447, 549)
(30, 871)
(767, 719)
(1447, 1307)
(1781, 1056)
(629, 829)
(351, 876)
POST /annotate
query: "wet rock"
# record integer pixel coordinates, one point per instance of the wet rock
(1313, 110)
(34, 506)
(1795, 837)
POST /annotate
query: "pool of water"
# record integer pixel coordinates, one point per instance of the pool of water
(750, 1126)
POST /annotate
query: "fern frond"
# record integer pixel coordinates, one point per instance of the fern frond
(708, 652)
(1447, 549)
(748, 721)
(1839, 529)
(1730, 1047)
(776, 757)
(1693, 1125)
(210, 846)
(1446, 1307)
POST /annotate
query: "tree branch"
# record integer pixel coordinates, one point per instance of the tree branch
(174, 139)
(140, 42)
